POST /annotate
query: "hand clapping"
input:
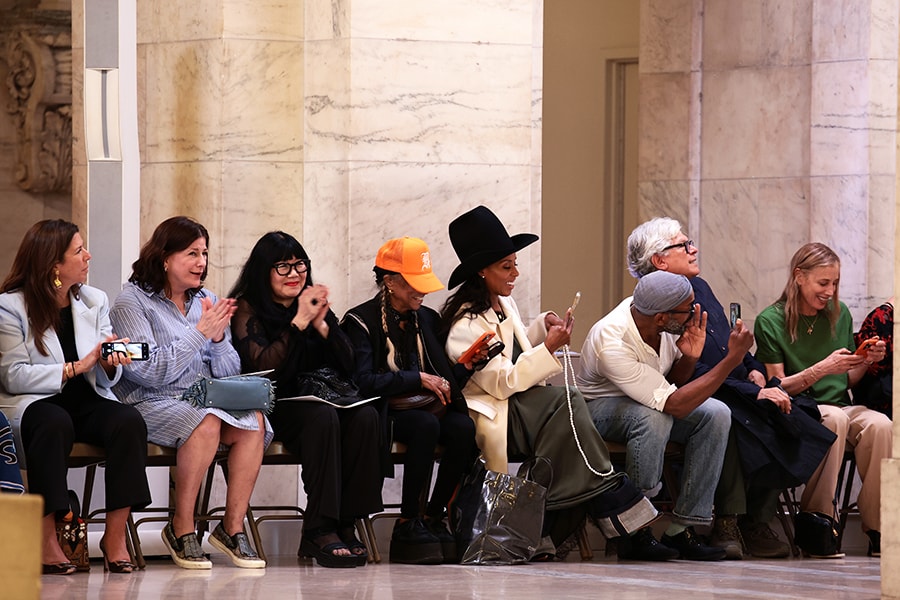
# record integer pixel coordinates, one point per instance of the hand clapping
(216, 317)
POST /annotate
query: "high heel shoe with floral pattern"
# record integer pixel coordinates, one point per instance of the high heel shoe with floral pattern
(114, 566)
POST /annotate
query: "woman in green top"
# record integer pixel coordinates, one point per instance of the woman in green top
(805, 339)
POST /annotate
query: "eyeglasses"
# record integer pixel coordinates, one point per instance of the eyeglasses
(685, 244)
(284, 268)
(689, 313)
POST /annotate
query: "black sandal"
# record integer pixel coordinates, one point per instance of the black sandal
(347, 533)
(324, 555)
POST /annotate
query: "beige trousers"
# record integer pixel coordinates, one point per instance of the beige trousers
(868, 434)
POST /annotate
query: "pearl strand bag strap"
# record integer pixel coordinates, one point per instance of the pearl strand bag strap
(567, 370)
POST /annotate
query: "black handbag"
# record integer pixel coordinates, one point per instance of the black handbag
(326, 383)
(498, 517)
(816, 534)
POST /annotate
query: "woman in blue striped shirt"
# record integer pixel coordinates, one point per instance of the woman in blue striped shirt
(187, 328)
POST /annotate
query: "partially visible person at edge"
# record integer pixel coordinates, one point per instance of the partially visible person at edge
(55, 387)
(165, 304)
(10, 477)
(875, 388)
(516, 416)
(770, 447)
(635, 370)
(805, 340)
(399, 350)
(284, 322)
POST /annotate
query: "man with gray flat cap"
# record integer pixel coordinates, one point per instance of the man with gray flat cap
(635, 372)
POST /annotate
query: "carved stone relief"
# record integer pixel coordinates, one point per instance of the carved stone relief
(39, 84)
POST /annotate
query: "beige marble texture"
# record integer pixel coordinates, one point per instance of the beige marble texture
(754, 123)
(771, 33)
(670, 35)
(852, 107)
(666, 125)
(842, 29)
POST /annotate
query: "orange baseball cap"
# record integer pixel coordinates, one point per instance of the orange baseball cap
(411, 258)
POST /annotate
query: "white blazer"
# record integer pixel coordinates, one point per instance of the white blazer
(27, 375)
(488, 390)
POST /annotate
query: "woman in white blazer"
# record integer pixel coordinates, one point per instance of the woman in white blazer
(55, 386)
(515, 415)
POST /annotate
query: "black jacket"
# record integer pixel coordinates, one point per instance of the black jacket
(363, 326)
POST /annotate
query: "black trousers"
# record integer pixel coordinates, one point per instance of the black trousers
(421, 431)
(51, 426)
(339, 452)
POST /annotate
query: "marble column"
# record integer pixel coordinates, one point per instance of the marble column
(765, 125)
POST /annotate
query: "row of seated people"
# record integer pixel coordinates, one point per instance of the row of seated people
(58, 388)
(777, 419)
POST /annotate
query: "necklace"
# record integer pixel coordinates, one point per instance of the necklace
(810, 324)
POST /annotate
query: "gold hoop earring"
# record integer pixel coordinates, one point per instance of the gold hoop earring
(56, 282)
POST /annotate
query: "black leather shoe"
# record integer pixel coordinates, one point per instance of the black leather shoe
(413, 544)
(643, 546)
(690, 547)
(874, 542)
(448, 543)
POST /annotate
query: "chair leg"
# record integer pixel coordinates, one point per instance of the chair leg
(584, 544)
(787, 512)
(134, 544)
(90, 474)
(371, 542)
(846, 478)
(254, 533)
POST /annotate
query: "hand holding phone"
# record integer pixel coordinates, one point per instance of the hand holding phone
(571, 312)
(734, 313)
(469, 354)
(134, 350)
(866, 345)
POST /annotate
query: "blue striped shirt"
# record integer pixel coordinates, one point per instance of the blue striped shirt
(179, 356)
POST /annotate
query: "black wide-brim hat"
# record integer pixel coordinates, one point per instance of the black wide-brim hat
(480, 239)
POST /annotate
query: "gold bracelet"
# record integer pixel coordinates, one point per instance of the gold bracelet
(73, 369)
(66, 371)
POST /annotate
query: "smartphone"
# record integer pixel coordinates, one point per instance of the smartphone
(575, 302)
(135, 350)
(866, 344)
(735, 313)
(473, 349)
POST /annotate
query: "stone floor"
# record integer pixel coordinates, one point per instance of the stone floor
(855, 577)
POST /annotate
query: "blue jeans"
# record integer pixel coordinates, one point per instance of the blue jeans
(645, 432)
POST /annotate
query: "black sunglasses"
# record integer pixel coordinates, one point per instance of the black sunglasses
(689, 313)
(685, 244)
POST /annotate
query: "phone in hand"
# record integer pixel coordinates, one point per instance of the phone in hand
(575, 302)
(866, 344)
(472, 350)
(134, 350)
(734, 313)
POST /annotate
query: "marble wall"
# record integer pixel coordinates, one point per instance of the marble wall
(769, 124)
(285, 117)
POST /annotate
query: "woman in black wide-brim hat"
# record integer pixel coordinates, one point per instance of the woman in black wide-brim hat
(515, 415)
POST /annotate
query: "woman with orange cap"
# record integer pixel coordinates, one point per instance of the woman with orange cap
(399, 351)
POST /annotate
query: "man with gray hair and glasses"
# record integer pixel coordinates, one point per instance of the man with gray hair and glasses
(635, 371)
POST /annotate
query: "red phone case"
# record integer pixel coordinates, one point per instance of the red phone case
(468, 354)
(866, 344)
